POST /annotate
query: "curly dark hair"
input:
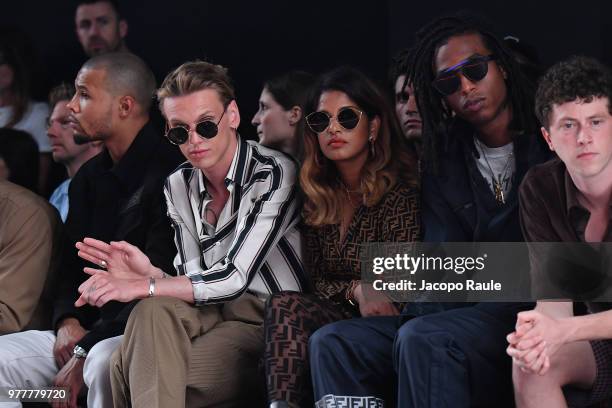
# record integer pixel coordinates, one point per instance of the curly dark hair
(578, 77)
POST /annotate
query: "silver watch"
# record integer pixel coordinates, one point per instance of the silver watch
(79, 352)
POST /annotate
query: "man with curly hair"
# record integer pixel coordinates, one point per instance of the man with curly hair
(568, 199)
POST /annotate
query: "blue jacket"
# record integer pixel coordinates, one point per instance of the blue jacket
(457, 203)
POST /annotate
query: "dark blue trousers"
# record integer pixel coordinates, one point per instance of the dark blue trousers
(454, 358)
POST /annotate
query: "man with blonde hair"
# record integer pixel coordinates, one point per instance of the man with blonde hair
(198, 338)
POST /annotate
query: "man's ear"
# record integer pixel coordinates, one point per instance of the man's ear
(233, 115)
(546, 137)
(127, 104)
(295, 114)
(123, 28)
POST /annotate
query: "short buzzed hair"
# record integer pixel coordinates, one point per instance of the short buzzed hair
(115, 3)
(62, 92)
(126, 74)
(578, 77)
(195, 76)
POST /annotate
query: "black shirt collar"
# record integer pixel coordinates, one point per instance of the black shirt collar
(132, 166)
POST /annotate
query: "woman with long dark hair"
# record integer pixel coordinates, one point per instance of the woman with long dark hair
(359, 186)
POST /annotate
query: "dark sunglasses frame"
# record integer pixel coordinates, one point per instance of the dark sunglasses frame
(209, 132)
(358, 113)
(475, 69)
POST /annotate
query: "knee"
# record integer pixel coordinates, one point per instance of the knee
(321, 346)
(153, 311)
(282, 300)
(324, 339)
(152, 307)
(419, 337)
(523, 384)
(526, 383)
(97, 365)
(414, 335)
(520, 380)
(281, 310)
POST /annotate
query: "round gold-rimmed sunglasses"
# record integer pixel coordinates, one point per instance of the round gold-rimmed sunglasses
(348, 118)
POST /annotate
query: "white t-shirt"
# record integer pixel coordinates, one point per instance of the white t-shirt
(502, 164)
(34, 121)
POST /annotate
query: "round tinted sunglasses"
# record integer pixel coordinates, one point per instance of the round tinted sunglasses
(475, 69)
(206, 129)
(347, 117)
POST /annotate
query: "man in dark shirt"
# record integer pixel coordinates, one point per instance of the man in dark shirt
(118, 195)
(568, 200)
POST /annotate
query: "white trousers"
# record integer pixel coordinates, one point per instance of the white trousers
(26, 361)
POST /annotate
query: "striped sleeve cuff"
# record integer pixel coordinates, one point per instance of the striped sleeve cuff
(193, 270)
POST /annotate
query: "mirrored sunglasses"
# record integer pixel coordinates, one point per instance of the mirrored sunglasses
(475, 69)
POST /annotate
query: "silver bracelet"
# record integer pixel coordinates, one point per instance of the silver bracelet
(151, 286)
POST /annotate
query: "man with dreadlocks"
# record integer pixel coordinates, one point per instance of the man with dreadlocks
(479, 141)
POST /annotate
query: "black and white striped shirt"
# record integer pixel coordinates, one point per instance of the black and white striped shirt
(255, 245)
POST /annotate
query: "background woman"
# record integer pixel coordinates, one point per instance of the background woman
(280, 118)
(17, 110)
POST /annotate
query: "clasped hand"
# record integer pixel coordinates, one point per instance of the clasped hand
(124, 267)
(534, 342)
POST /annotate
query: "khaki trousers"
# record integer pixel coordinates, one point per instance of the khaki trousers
(175, 354)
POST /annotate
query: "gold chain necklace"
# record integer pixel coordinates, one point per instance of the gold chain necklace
(498, 189)
(348, 194)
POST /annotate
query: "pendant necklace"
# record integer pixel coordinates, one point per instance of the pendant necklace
(498, 189)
